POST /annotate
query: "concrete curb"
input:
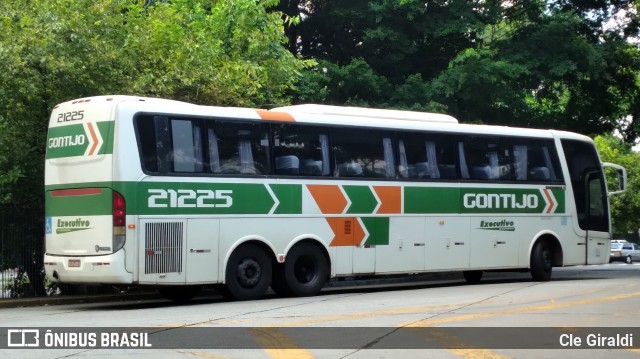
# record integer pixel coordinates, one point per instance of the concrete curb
(76, 299)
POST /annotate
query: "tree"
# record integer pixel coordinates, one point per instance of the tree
(398, 44)
(207, 52)
(565, 64)
(578, 83)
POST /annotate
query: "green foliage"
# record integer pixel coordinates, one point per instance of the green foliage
(208, 52)
(625, 207)
(549, 64)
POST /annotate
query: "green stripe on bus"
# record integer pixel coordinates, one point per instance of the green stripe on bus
(197, 198)
(290, 198)
(74, 140)
(174, 198)
(503, 200)
(106, 131)
(83, 205)
(423, 200)
(426, 200)
(378, 228)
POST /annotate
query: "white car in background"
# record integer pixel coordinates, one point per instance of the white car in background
(624, 251)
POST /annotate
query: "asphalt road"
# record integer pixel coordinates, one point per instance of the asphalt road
(447, 317)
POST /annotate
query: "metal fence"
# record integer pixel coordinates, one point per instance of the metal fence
(21, 269)
(21, 261)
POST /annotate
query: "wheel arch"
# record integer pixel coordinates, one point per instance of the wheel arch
(551, 238)
(316, 241)
(261, 242)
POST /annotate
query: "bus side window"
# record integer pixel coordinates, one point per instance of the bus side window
(426, 157)
(536, 161)
(242, 148)
(146, 133)
(486, 159)
(369, 153)
(187, 151)
(300, 150)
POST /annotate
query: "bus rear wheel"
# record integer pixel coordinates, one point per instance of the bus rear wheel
(541, 264)
(248, 273)
(305, 271)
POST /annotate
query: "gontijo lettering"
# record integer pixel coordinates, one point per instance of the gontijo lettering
(503, 200)
(66, 141)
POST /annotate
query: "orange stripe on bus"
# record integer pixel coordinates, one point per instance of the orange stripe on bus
(329, 198)
(390, 198)
(550, 199)
(275, 116)
(347, 231)
(94, 137)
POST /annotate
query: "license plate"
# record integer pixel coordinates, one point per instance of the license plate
(74, 263)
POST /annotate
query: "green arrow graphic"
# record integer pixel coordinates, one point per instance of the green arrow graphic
(362, 199)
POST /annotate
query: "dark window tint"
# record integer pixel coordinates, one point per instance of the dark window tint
(535, 161)
(483, 158)
(363, 153)
(182, 145)
(238, 148)
(301, 150)
(187, 149)
(426, 156)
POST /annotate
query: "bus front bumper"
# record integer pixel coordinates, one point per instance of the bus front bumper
(107, 269)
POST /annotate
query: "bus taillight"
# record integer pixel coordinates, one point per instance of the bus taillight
(119, 214)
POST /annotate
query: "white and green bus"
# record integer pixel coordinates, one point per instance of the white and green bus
(154, 192)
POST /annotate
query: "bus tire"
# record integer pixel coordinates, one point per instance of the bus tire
(472, 276)
(248, 274)
(541, 264)
(306, 270)
(180, 294)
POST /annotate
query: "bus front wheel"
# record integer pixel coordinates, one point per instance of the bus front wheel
(305, 270)
(541, 264)
(248, 273)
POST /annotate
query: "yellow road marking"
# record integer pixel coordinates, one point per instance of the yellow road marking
(433, 322)
(477, 354)
(268, 337)
(270, 334)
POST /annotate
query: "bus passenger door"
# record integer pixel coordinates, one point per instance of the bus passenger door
(590, 199)
(597, 219)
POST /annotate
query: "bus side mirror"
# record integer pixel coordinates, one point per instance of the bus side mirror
(613, 172)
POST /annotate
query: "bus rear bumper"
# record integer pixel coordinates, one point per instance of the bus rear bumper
(107, 269)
